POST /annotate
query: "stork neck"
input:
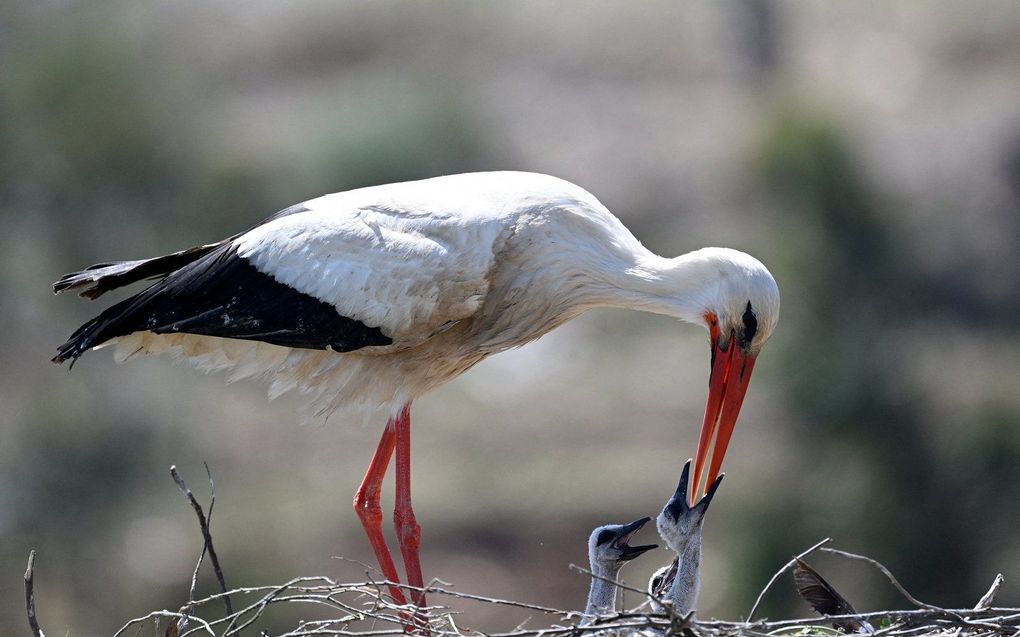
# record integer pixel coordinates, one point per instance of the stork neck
(684, 591)
(677, 287)
(602, 596)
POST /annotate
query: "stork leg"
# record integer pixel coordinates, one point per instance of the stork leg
(408, 531)
(366, 505)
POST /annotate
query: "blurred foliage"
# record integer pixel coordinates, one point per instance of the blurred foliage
(849, 379)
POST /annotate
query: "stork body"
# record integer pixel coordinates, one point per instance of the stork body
(373, 297)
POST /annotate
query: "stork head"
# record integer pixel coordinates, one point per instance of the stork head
(738, 301)
(679, 523)
(609, 546)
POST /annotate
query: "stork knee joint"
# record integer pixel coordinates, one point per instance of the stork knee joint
(408, 529)
(368, 508)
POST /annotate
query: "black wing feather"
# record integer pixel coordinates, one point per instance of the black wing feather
(96, 280)
(825, 599)
(223, 294)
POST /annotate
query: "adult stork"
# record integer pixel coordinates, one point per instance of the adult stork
(374, 296)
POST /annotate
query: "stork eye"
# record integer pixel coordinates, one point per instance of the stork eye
(750, 324)
(604, 537)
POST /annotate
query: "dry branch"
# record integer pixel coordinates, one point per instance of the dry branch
(782, 570)
(203, 521)
(33, 621)
(989, 597)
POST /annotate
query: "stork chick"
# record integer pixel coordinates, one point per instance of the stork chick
(608, 551)
(680, 526)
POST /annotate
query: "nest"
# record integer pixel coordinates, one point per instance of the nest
(364, 609)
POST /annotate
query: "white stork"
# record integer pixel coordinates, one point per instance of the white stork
(374, 296)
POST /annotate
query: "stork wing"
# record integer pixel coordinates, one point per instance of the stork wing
(331, 273)
(409, 273)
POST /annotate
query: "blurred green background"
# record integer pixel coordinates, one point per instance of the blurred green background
(867, 152)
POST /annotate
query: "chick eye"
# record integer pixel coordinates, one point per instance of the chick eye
(604, 537)
(750, 324)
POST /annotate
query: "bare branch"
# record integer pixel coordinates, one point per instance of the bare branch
(161, 613)
(785, 567)
(621, 585)
(33, 622)
(987, 599)
(888, 574)
(203, 523)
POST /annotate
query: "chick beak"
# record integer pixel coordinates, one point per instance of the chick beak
(630, 552)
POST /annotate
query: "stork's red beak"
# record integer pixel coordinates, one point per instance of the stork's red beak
(731, 373)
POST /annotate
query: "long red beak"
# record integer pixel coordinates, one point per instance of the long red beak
(731, 374)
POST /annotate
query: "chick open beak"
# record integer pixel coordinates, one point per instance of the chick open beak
(630, 552)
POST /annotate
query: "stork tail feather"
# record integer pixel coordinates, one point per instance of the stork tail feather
(96, 280)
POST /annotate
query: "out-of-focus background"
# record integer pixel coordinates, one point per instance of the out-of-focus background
(867, 152)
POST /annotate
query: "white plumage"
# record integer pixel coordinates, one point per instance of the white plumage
(453, 269)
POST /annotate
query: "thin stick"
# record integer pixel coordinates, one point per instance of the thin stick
(189, 610)
(33, 622)
(162, 613)
(206, 535)
(368, 568)
(619, 584)
(989, 597)
(491, 600)
(786, 566)
(888, 574)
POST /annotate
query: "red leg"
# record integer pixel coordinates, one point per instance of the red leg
(408, 531)
(366, 505)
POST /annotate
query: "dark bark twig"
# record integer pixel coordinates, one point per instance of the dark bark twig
(33, 621)
(203, 523)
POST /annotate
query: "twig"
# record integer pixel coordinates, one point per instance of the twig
(492, 600)
(33, 622)
(989, 597)
(888, 574)
(786, 566)
(619, 584)
(189, 610)
(162, 613)
(368, 567)
(203, 523)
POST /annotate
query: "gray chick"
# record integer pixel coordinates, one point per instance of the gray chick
(608, 551)
(680, 527)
